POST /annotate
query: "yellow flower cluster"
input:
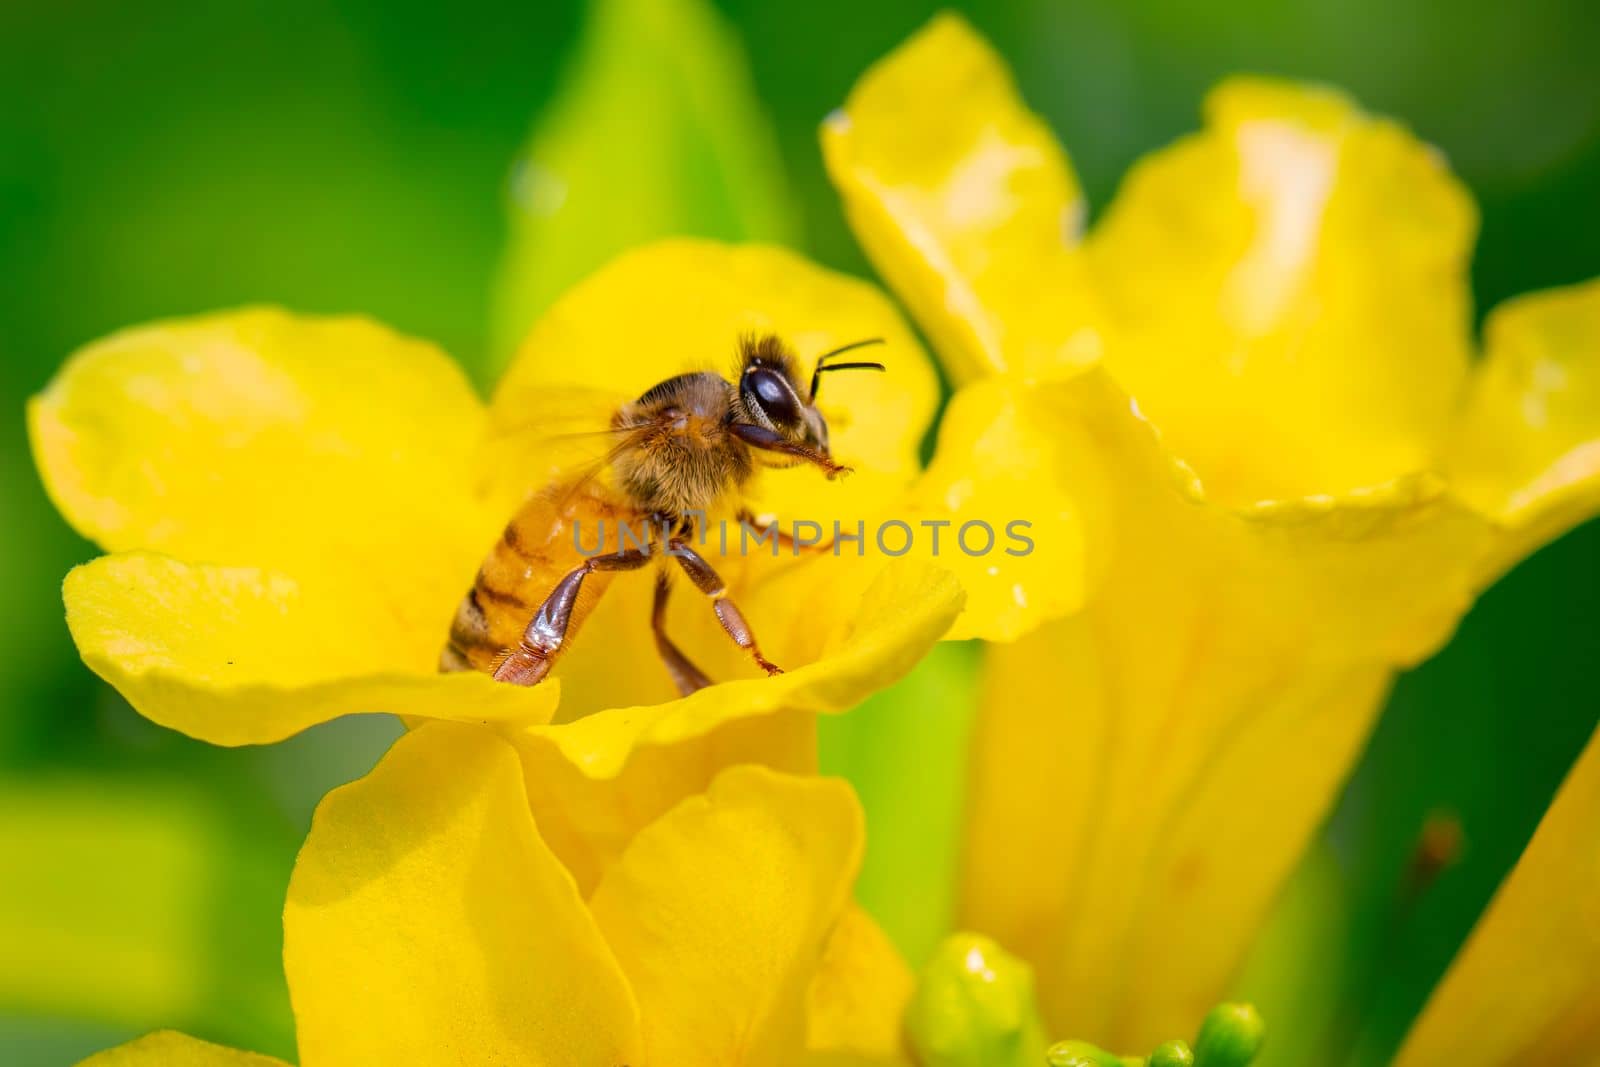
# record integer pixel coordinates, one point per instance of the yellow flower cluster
(1264, 474)
(1290, 481)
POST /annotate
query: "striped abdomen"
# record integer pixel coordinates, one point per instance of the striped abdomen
(533, 554)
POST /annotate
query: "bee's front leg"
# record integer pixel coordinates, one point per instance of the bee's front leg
(771, 441)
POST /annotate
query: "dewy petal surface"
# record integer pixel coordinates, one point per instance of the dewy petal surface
(966, 205)
(290, 505)
(1023, 507)
(1526, 448)
(1146, 771)
(427, 922)
(1526, 986)
(1285, 296)
(168, 1048)
(1288, 293)
(719, 913)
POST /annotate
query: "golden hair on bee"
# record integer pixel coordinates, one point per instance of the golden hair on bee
(765, 350)
(687, 446)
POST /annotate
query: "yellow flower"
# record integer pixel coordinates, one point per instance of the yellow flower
(294, 507)
(1288, 481)
(1525, 988)
(429, 921)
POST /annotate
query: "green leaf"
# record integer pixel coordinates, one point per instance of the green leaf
(656, 132)
(1297, 968)
(905, 751)
(130, 903)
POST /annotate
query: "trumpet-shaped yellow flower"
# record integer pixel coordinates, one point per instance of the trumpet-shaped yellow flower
(1286, 477)
(428, 921)
(1526, 986)
(294, 507)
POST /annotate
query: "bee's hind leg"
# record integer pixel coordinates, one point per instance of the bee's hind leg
(531, 660)
(685, 675)
(708, 582)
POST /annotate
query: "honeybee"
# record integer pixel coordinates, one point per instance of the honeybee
(687, 446)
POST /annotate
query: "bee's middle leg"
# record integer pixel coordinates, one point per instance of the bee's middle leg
(685, 675)
(532, 659)
(710, 583)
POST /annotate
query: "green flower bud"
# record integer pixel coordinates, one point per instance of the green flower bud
(1230, 1037)
(1080, 1054)
(1172, 1054)
(974, 1007)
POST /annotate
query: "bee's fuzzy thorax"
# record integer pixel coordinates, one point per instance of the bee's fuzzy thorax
(688, 445)
(681, 459)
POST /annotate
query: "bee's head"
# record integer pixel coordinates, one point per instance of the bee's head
(771, 393)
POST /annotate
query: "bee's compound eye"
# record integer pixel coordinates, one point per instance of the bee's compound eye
(767, 390)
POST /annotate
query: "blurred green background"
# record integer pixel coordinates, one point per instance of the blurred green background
(160, 159)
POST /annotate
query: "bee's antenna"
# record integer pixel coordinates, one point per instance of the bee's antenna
(823, 364)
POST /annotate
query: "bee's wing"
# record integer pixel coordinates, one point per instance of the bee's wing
(561, 435)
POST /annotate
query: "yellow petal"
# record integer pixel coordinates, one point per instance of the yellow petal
(168, 1048)
(595, 782)
(428, 923)
(589, 819)
(1024, 506)
(857, 1001)
(966, 205)
(719, 913)
(263, 438)
(1526, 448)
(1133, 878)
(1288, 293)
(1147, 770)
(237, 655)
(680, 306)
(311, 480)
(1526, 987)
